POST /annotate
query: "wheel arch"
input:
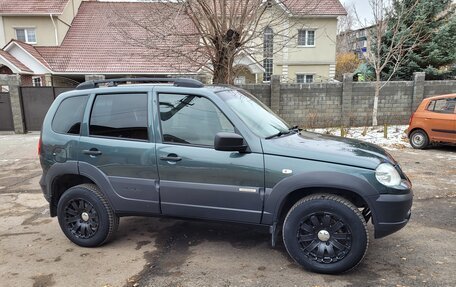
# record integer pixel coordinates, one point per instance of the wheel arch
(415, 129)
(62, 183)
(62, 176)
(290, 190)
(298, 194)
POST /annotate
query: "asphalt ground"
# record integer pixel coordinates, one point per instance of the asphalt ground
(169, 252)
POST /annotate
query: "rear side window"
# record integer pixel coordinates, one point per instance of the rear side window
(121, 116)
(68, 118)
(444, 106)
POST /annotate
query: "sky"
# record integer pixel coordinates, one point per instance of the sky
(362, 8)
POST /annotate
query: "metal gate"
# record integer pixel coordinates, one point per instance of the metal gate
(6, 115)
(36, 102)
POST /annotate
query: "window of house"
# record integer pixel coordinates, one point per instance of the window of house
(68, 118)
(444, 106)
(27, 35)
(306, 37)
(121, 116)
(268, 52)
(37, 81)
(188, 119)
(239, 80)
(302, 78)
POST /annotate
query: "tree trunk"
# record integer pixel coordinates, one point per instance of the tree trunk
(376, 96)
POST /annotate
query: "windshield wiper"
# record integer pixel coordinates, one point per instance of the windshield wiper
(295, 129)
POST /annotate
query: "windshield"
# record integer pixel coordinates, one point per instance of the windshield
(257, 116)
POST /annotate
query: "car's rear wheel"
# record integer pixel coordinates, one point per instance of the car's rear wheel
(85, 216)
(419, 139)
(325, 233)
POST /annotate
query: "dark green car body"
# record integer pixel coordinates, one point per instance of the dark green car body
(154, 177)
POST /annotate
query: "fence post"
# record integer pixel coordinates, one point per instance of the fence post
(14, 82)
(347, 88)
(418, 89)
(275, 93)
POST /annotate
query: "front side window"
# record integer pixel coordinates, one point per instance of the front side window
(189, 119)
(68, 118)
(444, 106)
(258, 117)
(121, 116)
(306, 38)
(27, 35)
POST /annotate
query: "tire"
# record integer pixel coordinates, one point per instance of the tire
(419, 139)
(325, 233)
(86, 217)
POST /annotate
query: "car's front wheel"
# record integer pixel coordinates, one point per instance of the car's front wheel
(85, 216)
(325, 233)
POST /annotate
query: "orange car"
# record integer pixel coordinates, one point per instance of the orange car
(433, 121)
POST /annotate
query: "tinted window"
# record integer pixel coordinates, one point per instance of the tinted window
(120, 116)
(67, 119)
(445, 106)
(191, 120)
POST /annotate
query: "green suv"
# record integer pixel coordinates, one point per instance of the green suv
(178, 148)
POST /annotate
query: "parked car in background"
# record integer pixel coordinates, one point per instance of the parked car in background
(433, 122)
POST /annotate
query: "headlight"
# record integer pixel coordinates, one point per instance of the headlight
(387, 175)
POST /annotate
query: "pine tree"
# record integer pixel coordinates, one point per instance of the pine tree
(437, 19)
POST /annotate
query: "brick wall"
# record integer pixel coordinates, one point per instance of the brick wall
(347, 103)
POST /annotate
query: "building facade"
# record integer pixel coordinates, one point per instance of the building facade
(63, 42)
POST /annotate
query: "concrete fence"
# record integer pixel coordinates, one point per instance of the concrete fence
(308, 105)
(347, 103)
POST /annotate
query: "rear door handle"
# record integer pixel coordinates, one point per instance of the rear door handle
(92, 152)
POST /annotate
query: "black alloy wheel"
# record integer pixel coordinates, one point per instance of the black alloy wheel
(324, 237)
(81, 218)
(325, 233)
(85, 216)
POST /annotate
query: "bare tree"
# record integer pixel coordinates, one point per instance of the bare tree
(401, 41)
(212, 33)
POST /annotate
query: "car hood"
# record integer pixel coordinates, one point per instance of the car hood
(326, 148)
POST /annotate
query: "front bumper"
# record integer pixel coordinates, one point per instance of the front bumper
(390, 212)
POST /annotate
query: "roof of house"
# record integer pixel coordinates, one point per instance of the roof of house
(10, 58)
(113, 37)
(108, 38)
(32, 7)
(315, 7)
(32, 51)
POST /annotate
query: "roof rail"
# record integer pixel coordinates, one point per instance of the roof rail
(178, 82)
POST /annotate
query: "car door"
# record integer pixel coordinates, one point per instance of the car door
(116, 142)
(440, 119)
(195, 179)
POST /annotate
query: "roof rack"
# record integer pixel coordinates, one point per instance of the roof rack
(178, 82)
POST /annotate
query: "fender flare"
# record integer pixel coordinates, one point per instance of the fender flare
(276, 198)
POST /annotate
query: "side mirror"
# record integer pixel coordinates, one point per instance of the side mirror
(229, 142)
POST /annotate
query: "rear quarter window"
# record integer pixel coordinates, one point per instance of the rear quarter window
(68, 117)
(443, 106)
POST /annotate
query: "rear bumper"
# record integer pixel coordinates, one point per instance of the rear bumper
(44, 189)
(391, 212)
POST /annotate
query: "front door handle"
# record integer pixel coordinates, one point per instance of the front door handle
(171, 157)
(92, 152)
